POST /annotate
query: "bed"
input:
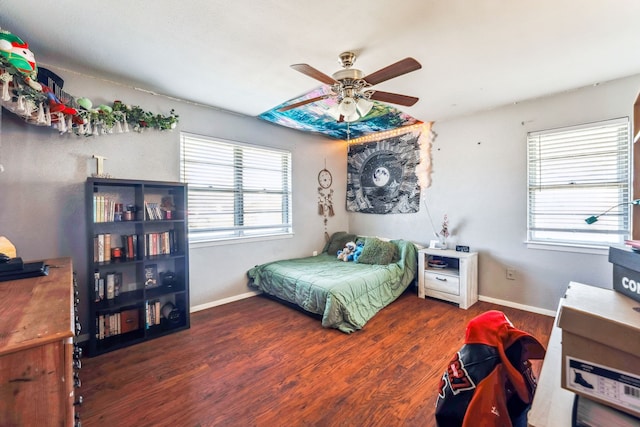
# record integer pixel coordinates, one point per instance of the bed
(345, 294)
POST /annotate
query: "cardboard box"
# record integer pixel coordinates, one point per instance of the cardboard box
(626, 270)
(601, 346)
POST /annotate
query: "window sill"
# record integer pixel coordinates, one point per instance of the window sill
(237, 240)
(567, 247)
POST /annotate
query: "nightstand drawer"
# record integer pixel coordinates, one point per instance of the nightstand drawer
(442, 282)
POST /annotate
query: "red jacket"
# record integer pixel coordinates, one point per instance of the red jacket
(489, 382)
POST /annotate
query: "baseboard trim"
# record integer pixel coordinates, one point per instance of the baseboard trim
(505, 303)
(512, 304)
(216, 303)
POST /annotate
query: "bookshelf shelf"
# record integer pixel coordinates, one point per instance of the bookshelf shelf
(138, 263)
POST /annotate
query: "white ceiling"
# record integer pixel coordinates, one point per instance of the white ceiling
(235, 54)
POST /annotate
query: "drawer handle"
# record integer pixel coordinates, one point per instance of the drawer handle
(442, 279)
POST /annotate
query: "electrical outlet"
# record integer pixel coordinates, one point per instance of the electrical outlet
(511, 274)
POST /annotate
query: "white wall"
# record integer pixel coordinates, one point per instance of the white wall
(479, 180)
(42, 187)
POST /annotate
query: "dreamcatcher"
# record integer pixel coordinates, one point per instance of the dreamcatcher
(325, 198)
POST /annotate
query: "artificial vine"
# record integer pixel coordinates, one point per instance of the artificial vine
(122, 116)
(21, 94)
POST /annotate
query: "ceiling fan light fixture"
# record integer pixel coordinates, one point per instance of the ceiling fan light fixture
(347, 107)
(364, 106)
(352, 118)
(352, 89)
(333, 112)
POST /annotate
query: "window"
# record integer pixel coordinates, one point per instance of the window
(235, 190)
(575, 173)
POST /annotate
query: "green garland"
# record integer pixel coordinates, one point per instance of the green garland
(144, 119)
(135, 116)
(105, 116)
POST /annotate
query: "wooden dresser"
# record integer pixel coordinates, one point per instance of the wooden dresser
(36, 348)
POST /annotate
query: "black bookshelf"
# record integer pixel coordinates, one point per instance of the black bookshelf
(138, 261)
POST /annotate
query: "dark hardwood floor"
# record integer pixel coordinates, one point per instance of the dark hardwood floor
(257, 362)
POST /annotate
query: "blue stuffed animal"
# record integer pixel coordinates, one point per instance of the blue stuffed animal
(344, 254)
(357, 252)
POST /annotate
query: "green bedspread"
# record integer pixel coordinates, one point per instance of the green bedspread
(346, 294)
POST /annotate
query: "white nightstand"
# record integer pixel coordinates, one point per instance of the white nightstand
(457, 282)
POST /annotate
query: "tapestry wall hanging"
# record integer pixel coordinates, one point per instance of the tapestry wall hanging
(381, 175)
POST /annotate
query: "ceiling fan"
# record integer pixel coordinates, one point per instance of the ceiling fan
(353, 90)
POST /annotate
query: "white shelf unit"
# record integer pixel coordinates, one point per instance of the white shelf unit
(457, 282)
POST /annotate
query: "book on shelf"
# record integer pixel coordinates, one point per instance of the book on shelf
(173, 241)
(110, 285)
(151, 276)
(117, 286)
(135, 245)
(115, 322)
(153, 211)
(147, 316)
(130, 245)
(100, 247)
(98, 295)
(108, 325)
(152, 313)
(107, 248)
(101, 288)
(97, 203)
(154, 244)
(166, 242)
(160, 243)
(104, 208)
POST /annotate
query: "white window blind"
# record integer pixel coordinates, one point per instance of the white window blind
(235, 190)
(577, 172)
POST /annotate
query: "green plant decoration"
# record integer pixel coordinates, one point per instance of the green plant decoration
(33, 105)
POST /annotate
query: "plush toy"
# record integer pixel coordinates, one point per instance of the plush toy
(349, 248)
(56, 105)
(356, 254)
(16, 52)
(85, 103)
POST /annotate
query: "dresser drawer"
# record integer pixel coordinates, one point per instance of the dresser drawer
(442, 282)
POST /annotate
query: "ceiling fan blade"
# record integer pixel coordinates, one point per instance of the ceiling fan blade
(404, 66)
(313, 73)
(301, 103)
(393, 98)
